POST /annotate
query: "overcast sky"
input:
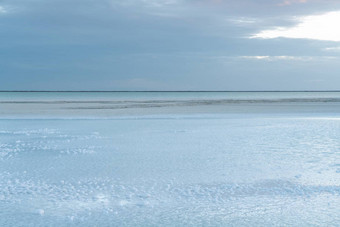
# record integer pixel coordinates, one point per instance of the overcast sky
(169, 45)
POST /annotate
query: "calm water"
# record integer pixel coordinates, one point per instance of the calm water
(169, 159)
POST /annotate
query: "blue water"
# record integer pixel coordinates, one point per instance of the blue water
(172, 168)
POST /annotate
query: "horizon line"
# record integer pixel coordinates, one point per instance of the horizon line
(169, 91)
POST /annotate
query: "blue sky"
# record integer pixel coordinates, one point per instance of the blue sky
(169, 45)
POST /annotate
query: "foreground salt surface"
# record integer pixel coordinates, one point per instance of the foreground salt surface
(171, 170)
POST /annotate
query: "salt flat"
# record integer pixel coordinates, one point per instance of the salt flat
(229, 164)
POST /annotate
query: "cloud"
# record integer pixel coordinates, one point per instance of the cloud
(332, 49)
(255, 57)
(318, 27)
(287, 58)
(146, 4)
(243, 21)
(2, 10)
(155, 44)
(290, 2)
(155, 3)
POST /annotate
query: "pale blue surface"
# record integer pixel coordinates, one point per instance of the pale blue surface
(172, 170)
(129, 96)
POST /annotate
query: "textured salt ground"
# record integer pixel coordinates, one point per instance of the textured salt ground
(196, 171)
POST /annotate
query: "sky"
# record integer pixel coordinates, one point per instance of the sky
(166, 45)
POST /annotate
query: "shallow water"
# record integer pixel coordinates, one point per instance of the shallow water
(257, 168)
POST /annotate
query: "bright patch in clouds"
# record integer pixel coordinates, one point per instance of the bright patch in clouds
(2, 9)
(319, 27)
(288, 58)
(333, 49)
(290, 2)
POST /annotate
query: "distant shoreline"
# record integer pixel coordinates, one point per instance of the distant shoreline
(37, 91)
